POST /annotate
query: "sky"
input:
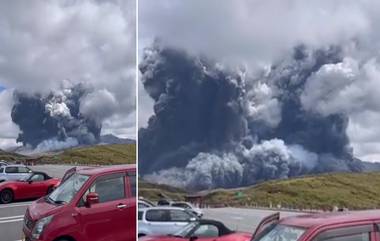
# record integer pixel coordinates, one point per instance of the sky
(52, 45)
(256, 34)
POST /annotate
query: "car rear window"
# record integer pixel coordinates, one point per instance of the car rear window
(1, 169)
(140, 215)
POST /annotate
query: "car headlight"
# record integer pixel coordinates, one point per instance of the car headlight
(40, 225)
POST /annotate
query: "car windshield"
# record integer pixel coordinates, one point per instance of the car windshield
(67, 190)
(186, 230)
(278, 232)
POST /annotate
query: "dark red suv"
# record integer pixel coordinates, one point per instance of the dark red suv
(341, 226)
(91, 204)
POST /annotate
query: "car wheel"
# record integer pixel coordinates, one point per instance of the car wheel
(50, 189)
(6, 196)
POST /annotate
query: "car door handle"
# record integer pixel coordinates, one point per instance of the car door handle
(121, 206)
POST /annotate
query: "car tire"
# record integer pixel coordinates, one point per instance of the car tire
(6, 196)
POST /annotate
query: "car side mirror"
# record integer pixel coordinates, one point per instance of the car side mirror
(193, 238)
(91, 199)
(30, 181)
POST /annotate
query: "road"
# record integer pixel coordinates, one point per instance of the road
(11, 215)
(242, 219)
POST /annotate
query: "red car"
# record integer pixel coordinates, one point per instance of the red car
(340, 226)
(91, 204)
(36, 185)
(202, 230)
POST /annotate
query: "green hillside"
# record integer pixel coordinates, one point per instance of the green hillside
(350, 190)
(153, 191)
(94, 155)
(9, 156)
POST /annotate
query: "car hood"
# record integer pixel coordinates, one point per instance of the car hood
(41, 208)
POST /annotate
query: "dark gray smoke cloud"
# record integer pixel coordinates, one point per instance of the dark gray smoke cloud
(54, 120)
(218, 127)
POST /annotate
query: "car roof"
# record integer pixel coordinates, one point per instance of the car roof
(15, 165)
(106, 169)
(162, 208)
(322, 219)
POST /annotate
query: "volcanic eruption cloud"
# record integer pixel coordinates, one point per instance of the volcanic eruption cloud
(215, 127)
(56, 120)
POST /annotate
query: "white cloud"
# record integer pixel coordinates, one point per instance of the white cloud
(45, 44)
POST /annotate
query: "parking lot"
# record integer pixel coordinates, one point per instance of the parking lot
(11, 215)
(242, 219)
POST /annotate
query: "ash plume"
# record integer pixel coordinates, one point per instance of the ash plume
(218, 127)
(53, 121)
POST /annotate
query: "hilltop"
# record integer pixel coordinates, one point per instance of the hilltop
(350, 190)
(94, 155)
(87, 155)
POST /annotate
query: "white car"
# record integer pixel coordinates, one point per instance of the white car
(14, 172)
(186, 205)
(163, 220)
(145, 204)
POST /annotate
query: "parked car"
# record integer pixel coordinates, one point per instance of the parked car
(36, 185)
(143, 203)
(188, 206)
(3, 163)
(203, 230)
(340, 226)
(93, 204)
(163, 220)
(14, 172)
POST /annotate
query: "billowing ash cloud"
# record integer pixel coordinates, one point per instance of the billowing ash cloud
(56, 120)
(215, 126)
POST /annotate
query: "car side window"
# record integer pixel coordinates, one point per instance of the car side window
(37, 178)
(353, 233)
(158, 216)
(179, 216)
(1, 169)
(206, 231)
(132, 182)
(23, 170)
(109, 188)
(11, 170)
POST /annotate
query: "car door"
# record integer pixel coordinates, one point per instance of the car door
(265, 222)
(158, 222)
(130, 218)
(351, 232)
(37, 185)
(180, 218)
(22, 173)
(106, 220)
(11, 173)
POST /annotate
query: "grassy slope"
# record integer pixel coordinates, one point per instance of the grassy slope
(101, 155)
(351, 190)
(9, 156)
(152, 191)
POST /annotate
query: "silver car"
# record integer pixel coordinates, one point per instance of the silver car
(163, 220)
(14, 172)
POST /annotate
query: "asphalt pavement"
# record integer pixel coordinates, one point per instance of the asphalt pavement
(242, 219)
